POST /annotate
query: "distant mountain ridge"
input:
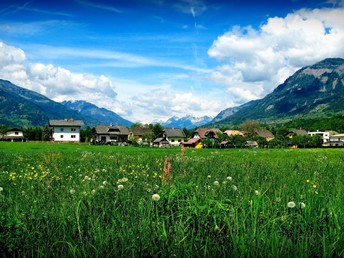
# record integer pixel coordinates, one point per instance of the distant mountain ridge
(316, 90)
(188, 122)
(103, 116)
(21, 107)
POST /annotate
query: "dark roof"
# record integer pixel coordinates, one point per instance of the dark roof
(174, 132)
(66, 122)
(205, 132)
(112, 129)
(14, 130)
(140, 131)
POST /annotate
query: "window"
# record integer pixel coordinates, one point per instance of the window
(73, 129)
(61, 136)
(73, 136)
(16, 133)
(61, 129)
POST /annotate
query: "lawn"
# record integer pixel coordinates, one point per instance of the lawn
(75, 200)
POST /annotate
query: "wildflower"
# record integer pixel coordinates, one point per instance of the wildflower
(120, 187)
(234, 188)
(302, 205)
(229, 178)
(1, 189)
(256, 192)
(155, 197)
(291, 204)
(72, 191)
(216, 182)
(307, 181)
(314, 186)
(93, 191)
(209, 176)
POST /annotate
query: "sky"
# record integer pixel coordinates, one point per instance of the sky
(150, 60)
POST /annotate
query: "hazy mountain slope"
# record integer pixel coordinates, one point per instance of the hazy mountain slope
(102, 115)
(316, 90)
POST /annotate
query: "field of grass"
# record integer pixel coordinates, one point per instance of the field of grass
(70, 200)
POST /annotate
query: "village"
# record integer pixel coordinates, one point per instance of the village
(68, 131)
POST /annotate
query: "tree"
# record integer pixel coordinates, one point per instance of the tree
(158, 130)
(136, 125)
(46, 134)
(250, 127)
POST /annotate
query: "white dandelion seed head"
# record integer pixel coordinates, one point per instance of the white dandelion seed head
(256, 192)
(216, 183)
(291, 204)
(93, 191)
(209, 176)
(1, 189)
(120, 187)
(229, 178)
(234, 188)
(155, 197)
(105, 182)
(302, 205)
(72, 191)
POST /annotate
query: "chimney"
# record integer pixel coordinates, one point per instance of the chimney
(66, 119)
(71, 120)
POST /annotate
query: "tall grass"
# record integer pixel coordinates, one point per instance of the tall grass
(86, 201)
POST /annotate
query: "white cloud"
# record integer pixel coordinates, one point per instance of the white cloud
(253, 62)
(54, 82)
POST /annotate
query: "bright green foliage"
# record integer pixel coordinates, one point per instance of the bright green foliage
(66, 200)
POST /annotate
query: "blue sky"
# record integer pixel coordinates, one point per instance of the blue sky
(151, 60)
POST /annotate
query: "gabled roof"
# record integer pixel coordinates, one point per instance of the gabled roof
(205, 132)
(265, 133)
(174, 132)
(14, 130)
(66, 122)
(192, 141)
(337, 135)
(112, 130)
(299, 131)
(139, 131)
(234, 132)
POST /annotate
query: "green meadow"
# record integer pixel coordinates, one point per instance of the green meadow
(71, 200)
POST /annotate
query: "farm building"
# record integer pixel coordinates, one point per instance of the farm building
(13, 135)
(111, 134)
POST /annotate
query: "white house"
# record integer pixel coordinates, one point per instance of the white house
(65, 130)
(13, 134)
(325, 135)
(336, 140)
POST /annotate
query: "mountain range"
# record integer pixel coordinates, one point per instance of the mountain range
(313, 91)
(188, 122)
(21, 107)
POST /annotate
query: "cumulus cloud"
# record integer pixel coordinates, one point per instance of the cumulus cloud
(54, 82)
(254, 61)
(163, 103)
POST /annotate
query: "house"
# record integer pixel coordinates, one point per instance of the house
(65, 130)
(139, 133)
(13, 135)
(265, 134)
(251, 144)
(206, 133)
(336, 140)
(111, 134)
(293, 132)
(234, 132)
(324, 134)
(161, 142)
(193, 143)
(174, 136)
